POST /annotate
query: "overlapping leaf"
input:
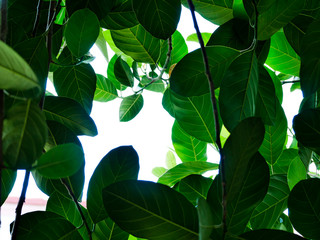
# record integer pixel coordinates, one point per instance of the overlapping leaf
(123, 73)
(137, 43)
(188, 78)
(296, 172)
(107, 229)
(130, 107)
(239, 90)
(105, 90)
(119, 164)
(187, 147)
(71, 114)
(111, 75)
(151, 210)
(76, 82)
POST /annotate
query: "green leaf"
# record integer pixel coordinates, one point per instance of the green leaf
(155, 86)
(61, 161)
(15, 68)
(277, 84)
(159, 171)
(71, 114)
(194, 38)
(46, 225)
(303, 204)
(102, 45)
(281, 166)
(307, 128)
(266, 234)
(24, 135)
(282, 57)
(273, 204)
(137, 43)
(159, 17)
(190, 72)
(66, 208)
(296, 172)
(239, 89)
(266, 102)
(151, 210)
(100, 7)
(182, 170)
(194, 187)
(121, 16)
(8, 178)
(107, 229)
(130, 107)
(76, 82)
(206, 221)
(194, 115)
(277, 16)
(187, 147)
(248, 194)
(81, 31)
(275, 137)
(170, 160)
(310, 62)
(217, 12)
(105, 90)
(111, 75)
(243, 142)
(283, 223)
(119, 164)
(123, 73)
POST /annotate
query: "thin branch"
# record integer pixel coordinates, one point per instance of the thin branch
(20, 204)
(293, 81)
(37, 19)
(84, 221)
(165, 66)
(215, 112)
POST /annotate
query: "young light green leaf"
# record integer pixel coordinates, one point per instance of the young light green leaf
(159, 171)
(15, 68)
(61, 161)
(81, 31)
(105, 90)
(194, 38)
(170, 160)
(151, 210)
(130, 107)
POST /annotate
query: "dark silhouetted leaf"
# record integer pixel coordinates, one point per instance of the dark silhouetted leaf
(8, 178)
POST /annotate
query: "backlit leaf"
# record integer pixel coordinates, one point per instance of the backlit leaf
(105, 90)
(130, 107)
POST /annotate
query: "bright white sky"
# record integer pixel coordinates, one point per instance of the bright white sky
(149, 132)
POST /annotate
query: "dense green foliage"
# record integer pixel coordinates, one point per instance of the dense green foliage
(258, 46)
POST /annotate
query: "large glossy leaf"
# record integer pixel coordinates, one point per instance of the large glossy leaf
(121, 16)
(282, 164)
(81, 31)
(194, 187)
(71, 114)
(46, 225)
(174, 175)
(100, 7)
(275, 137)
(137, 43)
(61, 161)
(65, 207)
(107, 229)
(304, 204)
(266, 101)
(249, 194)
(307, 128)
(105, 90)
(119, 164)
(123, 73)
(296, 172)
(151, 210)
(273, 204)
(194, 114)
(15, 68)
(266, 234)
(188, 78)
(8, 178)
(130, 107)
(277, 16)
(187, 147)
(310, 62)
(239, 148)
(76, 82)
(24, 135)
(239, 90)
(217, 12)
(282, 57)
(159, 17)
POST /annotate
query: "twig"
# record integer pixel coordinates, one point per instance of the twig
(215, 112)
(3, 36)
(37, 19)
(20, 204)
(165, 66)
(293, 81)
(78, 206)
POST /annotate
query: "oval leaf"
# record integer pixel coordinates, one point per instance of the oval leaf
(123, 73)
(130, 107)
(105, 90)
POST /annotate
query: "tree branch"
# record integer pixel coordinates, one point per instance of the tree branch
(75, 200)
(215, 112)
(20, 204)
